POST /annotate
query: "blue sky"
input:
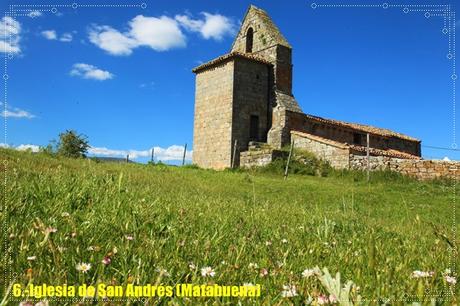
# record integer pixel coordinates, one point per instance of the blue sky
(122, 76)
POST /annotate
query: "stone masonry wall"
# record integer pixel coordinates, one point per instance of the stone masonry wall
(336, 155)
(250, 98)
(212, 138)
(420, 169)
(259, 158)
(303, 123)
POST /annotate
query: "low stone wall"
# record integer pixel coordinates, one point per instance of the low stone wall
(359, 162)
(259, 157)
(335, 153)
(420, 169)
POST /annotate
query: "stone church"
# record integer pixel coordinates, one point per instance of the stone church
(245, 97)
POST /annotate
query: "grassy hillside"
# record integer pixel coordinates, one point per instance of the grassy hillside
(154, 222)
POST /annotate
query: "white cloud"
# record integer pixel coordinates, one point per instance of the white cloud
(111, 40)
(10, 31)
(66, 37)
(34, 14)
(214, 26)
(13, 112)
(174, 152)
(49, 34)
(52, 35)
(87, 71)
(22, 147)
(25, 147)
(159, 34)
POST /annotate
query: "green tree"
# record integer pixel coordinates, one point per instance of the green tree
(72, 144)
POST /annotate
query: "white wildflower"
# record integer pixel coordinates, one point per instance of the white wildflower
(308, 272)
(253, 265)
(207, 271)
(31, 258)
(83, 267)
(450, 279)
(421, 274)
(163, 272)
(289, 291)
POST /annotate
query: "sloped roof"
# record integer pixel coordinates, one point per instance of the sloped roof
(229, 56)
(267, 22)
(327, 141)
(363, 149)
(363, 128)
(389, 152)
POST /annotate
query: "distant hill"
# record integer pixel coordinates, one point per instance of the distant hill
(110, 159)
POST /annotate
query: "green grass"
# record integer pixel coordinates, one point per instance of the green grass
(375, 234)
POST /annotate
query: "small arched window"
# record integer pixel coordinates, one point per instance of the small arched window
(249, 40)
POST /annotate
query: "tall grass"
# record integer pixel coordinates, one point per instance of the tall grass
(242, 224)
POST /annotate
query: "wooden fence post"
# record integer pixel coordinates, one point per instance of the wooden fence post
(289, 159)
(153, 155)
(183, 157)
(234, 153)
(367, 156)
(127, 158)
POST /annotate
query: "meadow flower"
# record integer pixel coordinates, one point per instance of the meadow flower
(332, 299)
(83, 267)
(163, 272)
(284, 240)
(421, 274)
(26, 303)
(322, 299)
(207, 271)
(268, 243)
(248, 284)
(31, 258)
(308, 272)
(263, 272)
(253, 265)
(223, 262)
(65, 214)
(90, 248)
(73, 235)
(106, 260)
(450, 279)
(191, 266)
(289, 291)
(129, 237)
(51, 230)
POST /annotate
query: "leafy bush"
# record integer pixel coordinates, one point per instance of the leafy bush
(72, 144)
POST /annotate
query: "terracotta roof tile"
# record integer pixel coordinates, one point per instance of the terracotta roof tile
(364, 128)
(362, 149)
(334, 143)
(231, 55)
(389, 152)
